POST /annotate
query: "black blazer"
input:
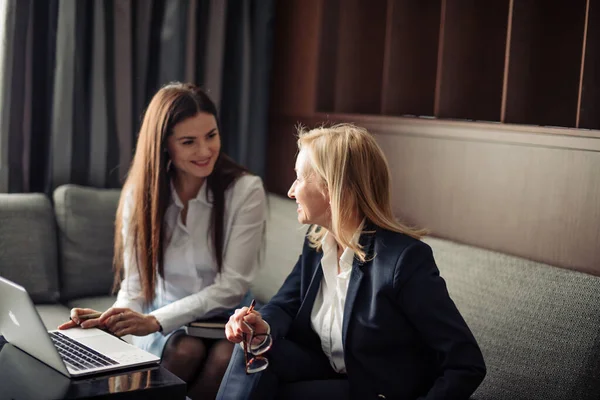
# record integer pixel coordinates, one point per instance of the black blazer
(403, 336)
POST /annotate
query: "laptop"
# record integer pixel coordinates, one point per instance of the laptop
(73, 352)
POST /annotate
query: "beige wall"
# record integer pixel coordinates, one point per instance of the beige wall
(533, 200)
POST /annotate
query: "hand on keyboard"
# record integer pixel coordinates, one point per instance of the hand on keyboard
(125, 321)
(76, 320)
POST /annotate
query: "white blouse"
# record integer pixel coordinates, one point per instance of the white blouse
(191, 287)
(327, 314)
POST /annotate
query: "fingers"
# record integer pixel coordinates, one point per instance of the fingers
(232, 329)
(112, 311)
(74, 314)
(253, 318)
(259, 325)
(67, 325)
(130, 323)
(109, 318)
(128, 330)
(91, 323)
(242, 322)
(232, 337)
(121, 326)
(112, 320)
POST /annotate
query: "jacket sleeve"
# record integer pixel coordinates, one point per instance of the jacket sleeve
(283, 307)
(423, 296)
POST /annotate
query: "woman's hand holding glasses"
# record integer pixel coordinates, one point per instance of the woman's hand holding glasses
(236, 328)
(248, 327)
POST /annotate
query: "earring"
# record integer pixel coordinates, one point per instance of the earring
(169, 163)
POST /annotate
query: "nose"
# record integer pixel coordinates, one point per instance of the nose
(203, 150)
(290, 192)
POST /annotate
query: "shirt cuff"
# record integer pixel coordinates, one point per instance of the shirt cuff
(162, 322)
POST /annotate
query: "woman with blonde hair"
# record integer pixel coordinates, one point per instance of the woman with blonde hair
(364, 313)
(189, 228)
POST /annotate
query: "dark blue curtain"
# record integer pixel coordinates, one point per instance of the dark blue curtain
(77, 76)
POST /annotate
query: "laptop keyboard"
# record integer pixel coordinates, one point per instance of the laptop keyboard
(78, 356)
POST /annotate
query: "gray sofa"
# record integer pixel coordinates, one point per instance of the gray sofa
(538, 326)
(60, 250)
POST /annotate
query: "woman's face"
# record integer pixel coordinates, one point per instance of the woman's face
(194, 146)
(310, 194)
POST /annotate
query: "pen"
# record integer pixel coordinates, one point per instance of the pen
(251, 308)
(85, 317)
(249, 311)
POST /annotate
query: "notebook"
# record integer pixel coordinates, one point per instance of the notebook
(212, 328)
(73, 352)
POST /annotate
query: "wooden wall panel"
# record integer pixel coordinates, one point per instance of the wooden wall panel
(328, 51)
(544, 63)
(589, 107)
(410, 60)
(360, 49)
(472, 59)
(295, 57)
(281, 151)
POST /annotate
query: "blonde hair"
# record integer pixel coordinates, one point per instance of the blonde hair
(355, 172)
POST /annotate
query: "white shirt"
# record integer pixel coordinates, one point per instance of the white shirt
(191, 287)
(327, 314)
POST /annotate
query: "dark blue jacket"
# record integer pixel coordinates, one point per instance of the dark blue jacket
(403, 336)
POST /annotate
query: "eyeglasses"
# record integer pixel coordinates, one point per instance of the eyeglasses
(255, 362)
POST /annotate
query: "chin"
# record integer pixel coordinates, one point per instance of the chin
(202, 173)
(301, 219)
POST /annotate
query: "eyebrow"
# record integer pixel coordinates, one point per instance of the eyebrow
(194, 137)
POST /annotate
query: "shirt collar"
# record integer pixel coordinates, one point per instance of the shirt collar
(329, 245)
(200, 197)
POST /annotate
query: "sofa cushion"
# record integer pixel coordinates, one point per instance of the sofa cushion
(284, 239)
(28, 244)
(538, 326)
(86, 220)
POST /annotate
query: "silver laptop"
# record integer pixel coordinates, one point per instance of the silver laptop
(73, 352)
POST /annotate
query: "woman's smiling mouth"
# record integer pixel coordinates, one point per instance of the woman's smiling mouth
(203, 163)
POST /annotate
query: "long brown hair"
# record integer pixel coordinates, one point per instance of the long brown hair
(148, 189)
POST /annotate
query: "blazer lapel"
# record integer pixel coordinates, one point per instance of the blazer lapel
(356, 277)
(311, 293)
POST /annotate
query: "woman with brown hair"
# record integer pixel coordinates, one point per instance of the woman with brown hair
(189, 228)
